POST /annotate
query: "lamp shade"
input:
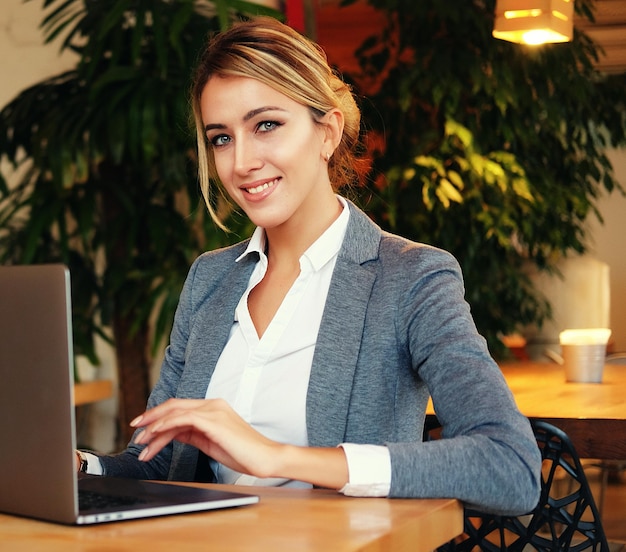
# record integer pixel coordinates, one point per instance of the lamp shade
(534, 21)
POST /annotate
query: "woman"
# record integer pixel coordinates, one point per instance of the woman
(306, 355)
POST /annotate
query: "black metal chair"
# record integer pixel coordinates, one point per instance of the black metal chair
(566, 517)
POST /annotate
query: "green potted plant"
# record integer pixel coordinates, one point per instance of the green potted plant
(491, 150)
(107, 165)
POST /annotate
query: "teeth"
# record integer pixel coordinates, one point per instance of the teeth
(260, 188)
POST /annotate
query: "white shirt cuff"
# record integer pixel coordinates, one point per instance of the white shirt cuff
(94, 467)
(369, 470)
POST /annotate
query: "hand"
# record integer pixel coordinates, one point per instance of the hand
(212, 426)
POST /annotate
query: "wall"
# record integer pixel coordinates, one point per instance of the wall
(25, 59)
(608, 243)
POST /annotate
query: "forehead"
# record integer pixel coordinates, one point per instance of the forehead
(234, 97)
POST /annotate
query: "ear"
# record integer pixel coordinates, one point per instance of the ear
(333, 130)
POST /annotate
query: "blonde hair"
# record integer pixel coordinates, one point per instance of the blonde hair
(265, 49)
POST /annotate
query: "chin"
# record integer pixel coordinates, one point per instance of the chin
(267, 224)
(266, 218)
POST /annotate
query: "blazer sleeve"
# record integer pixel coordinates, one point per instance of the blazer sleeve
(488, 456)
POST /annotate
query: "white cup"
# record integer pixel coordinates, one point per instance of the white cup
(584, 353)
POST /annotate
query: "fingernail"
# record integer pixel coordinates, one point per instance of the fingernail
(136, 421)
(143, 453)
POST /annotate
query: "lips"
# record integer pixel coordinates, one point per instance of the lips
(253, 190)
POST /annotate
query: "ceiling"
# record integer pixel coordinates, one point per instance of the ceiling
(609, 31)
(339, 31)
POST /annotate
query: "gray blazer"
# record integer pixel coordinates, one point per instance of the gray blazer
(395, 329)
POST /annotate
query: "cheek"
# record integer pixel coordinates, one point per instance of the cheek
(301, 150)
(223, 168)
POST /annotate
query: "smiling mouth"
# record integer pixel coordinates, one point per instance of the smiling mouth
(262, 187)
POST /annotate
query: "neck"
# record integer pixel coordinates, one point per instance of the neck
(287, 243)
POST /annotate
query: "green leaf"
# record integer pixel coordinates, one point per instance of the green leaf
(447, 189)
(4, 188)
(455, 129)
(59, 18)
(114, 18)
(456, 179)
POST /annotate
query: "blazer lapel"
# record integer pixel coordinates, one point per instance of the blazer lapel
(341, 330)
(214, 329)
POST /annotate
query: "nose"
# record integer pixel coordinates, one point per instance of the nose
(247, 156)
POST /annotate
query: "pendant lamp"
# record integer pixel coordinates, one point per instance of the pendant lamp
(534, 21)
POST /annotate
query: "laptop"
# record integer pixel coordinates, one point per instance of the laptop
(38, 475)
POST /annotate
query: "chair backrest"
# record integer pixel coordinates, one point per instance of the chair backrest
(566, 517)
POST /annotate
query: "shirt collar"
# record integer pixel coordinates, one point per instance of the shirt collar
(320, 251)
(255, 245)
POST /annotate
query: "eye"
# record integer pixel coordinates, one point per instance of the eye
(268, 126)
(219, 140)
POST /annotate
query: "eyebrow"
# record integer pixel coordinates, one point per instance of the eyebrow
(251, 114)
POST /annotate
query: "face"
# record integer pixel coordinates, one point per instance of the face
(270, 154)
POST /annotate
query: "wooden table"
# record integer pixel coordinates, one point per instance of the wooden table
(592, 414)
(284, 519)
(87, 392)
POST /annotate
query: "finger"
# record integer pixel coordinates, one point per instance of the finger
(180, 425)
(155, 445)
(153, 414)
(155, 430)
(175, 422)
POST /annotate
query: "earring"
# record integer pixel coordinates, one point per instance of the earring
(327, 157)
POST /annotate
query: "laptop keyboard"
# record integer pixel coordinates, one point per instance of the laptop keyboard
(89, 500)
